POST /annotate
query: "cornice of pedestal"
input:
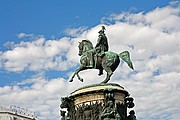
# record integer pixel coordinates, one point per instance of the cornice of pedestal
(94, 88)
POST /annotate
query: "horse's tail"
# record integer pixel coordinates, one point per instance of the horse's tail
(125, 55)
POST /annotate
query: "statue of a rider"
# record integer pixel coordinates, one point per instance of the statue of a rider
(100, 49)
(99, 57)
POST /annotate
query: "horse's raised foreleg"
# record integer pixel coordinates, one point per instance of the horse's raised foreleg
(109, 74)
(72, 77)
(76, 73)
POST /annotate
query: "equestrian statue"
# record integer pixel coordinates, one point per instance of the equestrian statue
(99, 57)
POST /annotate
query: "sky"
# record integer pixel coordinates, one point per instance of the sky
(39, 52)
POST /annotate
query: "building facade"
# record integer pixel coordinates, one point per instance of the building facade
(16, 113)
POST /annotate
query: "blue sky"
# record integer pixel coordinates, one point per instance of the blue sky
(38, 52)
(51, 18)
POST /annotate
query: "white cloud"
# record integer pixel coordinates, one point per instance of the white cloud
(75, 32)
(153, 38)
(23, 35)
(43, 96)
(40, 55)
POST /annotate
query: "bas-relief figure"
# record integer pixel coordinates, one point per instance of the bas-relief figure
(109, 112)
(66, 102)
(131, 115)
(63, 115)
(99, 57)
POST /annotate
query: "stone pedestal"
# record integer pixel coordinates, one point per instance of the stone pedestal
(97, 102)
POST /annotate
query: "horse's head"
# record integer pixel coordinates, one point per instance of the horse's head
(84, 46)
(80, 46)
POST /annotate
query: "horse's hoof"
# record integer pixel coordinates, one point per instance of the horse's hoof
(70, 80)
(105, 81)
(100, 74)
(81, 80)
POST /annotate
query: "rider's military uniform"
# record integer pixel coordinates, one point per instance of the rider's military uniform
(102, 43)
(100, 48)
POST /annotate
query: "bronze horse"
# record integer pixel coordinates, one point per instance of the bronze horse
(109, 62)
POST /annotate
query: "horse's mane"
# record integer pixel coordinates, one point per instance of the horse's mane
(88, 42)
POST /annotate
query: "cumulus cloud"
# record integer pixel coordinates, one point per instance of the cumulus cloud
(153, 39)
(43, 96)
(40, 54)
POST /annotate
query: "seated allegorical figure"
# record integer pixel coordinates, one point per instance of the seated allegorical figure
(109, 112)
